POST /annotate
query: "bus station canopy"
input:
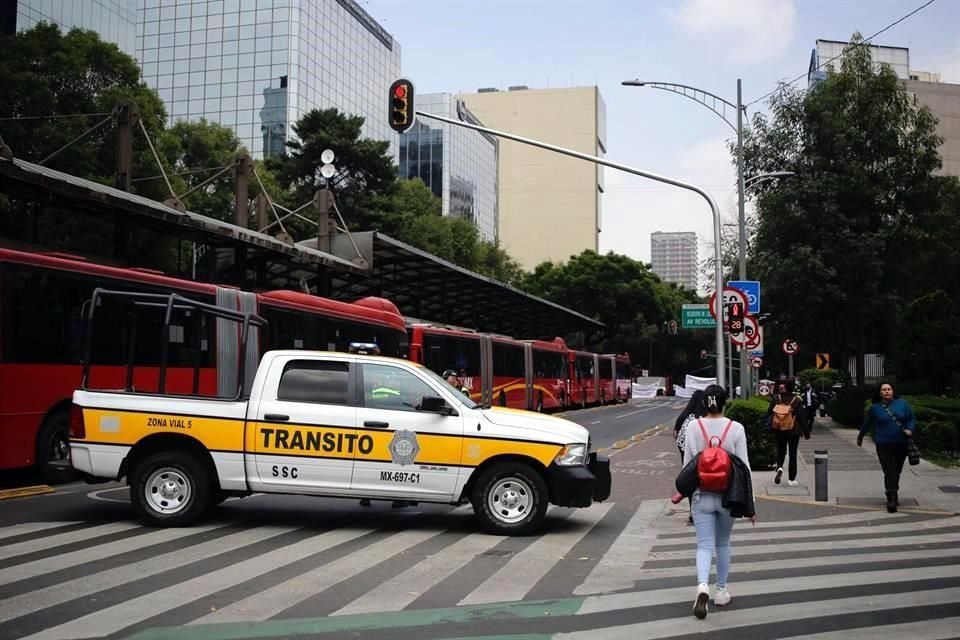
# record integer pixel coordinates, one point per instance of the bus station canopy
(425, 286)
(369, 263)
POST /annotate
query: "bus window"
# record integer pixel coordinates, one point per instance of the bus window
(547, 364)
(443, 352)
(508, 360)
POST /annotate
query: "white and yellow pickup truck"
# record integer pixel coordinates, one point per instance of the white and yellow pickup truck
(336, 424)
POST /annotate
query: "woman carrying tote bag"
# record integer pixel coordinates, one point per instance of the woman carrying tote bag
(894, 427)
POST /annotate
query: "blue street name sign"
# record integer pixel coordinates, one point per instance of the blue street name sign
(751, 288)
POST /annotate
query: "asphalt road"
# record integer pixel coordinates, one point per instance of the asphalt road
(614, 423)
(75, 564)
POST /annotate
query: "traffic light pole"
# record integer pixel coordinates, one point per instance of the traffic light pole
(718, 270)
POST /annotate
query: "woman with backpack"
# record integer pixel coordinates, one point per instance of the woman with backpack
(894, 426)
(788, 421)
(717, 448)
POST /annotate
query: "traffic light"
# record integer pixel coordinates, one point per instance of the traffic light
(735, 319)
(400, 112)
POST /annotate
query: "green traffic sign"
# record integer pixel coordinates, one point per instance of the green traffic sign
(697, 316)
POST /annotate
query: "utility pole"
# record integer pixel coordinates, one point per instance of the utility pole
(742, 218)
(241, 184)
(126, 115)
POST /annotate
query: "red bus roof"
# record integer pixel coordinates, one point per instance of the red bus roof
(557, 344)
(67, 262)
(371, 310)
(429, 328)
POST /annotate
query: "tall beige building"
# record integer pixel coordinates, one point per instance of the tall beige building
(549, 204)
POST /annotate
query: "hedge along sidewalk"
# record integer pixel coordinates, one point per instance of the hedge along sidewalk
(855, 478)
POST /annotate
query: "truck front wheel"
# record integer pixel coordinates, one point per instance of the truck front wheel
(170, 489)
(510, 499)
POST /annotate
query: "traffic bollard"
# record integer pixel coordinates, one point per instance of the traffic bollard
(820, 458)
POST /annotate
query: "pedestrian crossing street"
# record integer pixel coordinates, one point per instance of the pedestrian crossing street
(620, 572)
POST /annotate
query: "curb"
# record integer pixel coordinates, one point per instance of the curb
(23, 492)
(834, 505)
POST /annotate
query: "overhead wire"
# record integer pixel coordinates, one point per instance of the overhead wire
(865, 42)
(53, 116)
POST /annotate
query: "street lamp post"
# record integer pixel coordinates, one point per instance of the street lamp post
(720, 106)
(714, 209)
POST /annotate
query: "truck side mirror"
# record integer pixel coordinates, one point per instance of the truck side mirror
(436, 404)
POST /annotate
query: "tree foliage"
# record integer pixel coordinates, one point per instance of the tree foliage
(49, 78)
(630, 300)
(834, 242)
(366, 176)
(194, 152)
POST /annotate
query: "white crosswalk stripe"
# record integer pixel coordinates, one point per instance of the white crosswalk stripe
(237, 572)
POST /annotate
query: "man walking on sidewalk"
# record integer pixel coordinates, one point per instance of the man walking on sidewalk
(810, 402)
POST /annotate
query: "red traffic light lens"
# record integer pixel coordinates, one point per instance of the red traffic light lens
(400, 91)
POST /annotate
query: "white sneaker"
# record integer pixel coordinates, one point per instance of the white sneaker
(792, 483)
(700, 604)
(776, 478)
(722, 597)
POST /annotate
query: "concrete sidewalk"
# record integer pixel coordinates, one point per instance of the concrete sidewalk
(854, 477)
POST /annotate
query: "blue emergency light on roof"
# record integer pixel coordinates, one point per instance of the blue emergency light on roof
(364, 348)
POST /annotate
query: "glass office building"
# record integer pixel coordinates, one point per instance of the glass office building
(459, 165)
(258, 65)
(114, 20)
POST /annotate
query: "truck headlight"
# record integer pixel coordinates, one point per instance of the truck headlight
(572, 455)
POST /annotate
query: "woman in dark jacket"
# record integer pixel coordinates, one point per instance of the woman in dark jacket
(694, 409)
(893, 422)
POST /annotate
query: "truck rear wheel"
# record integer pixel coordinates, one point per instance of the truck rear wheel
(53, 449)
(510, 499)
(170, 489)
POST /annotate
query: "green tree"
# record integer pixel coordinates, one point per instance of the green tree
(629, 299)
(52, 81)
(864, 155)
(366, 175)
(494, 262)
(194, 152)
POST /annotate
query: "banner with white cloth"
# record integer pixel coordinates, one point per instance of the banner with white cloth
(682, 392)
(645, 390)
(693, 383)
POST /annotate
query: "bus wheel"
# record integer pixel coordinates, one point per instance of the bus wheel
(510, 499)
(53, 448)
(170, 489)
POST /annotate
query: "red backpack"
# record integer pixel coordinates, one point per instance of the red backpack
(714, 465)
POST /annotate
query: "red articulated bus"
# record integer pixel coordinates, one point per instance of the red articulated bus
(497, 370)
(42, 332)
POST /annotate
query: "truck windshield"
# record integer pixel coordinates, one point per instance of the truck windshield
(470, 404)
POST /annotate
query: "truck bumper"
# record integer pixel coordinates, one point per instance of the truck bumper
(580, 486)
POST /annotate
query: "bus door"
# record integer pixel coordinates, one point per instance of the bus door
(528, 375)
(486, 370)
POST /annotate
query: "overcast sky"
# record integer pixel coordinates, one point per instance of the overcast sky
(461, 45)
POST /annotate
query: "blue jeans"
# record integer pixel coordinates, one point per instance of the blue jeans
(713, 524)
